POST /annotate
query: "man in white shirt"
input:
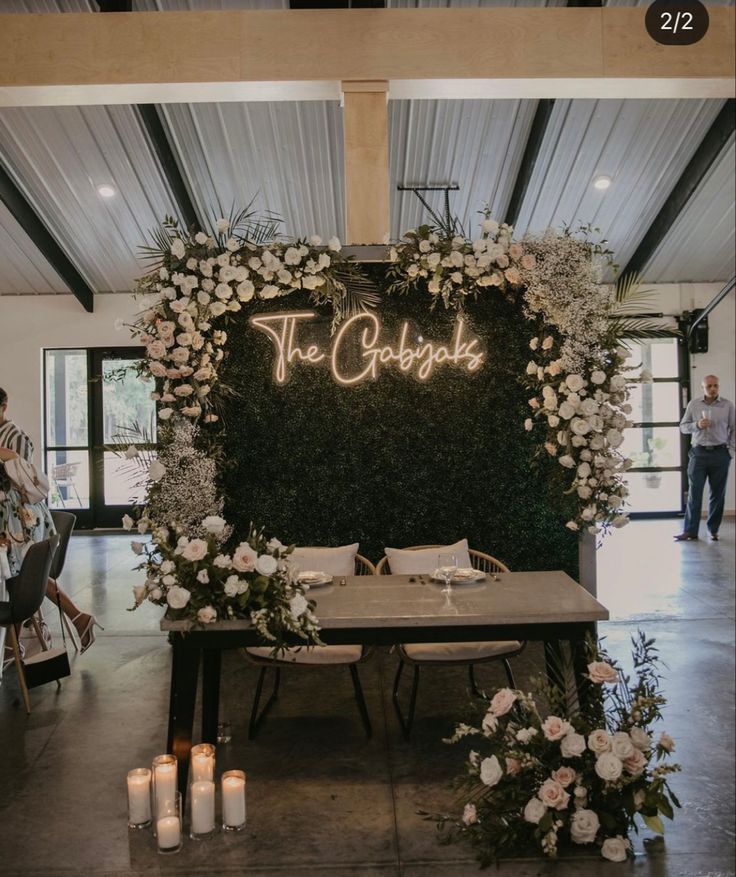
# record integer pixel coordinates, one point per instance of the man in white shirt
(710, 422)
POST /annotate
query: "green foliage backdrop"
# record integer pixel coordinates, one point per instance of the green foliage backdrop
(394, 462)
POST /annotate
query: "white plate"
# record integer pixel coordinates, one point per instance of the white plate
(314, 579)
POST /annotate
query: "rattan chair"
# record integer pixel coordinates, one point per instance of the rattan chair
(317, 656)
(450, 654)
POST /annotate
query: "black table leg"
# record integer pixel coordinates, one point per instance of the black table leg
(589, 694)
(184, 672)
(211, 663)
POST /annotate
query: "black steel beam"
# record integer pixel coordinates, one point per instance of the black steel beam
(705, 155)
(161, 144)
(36, 230)
(529, 159)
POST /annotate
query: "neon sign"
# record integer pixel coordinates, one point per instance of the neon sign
(358, 352)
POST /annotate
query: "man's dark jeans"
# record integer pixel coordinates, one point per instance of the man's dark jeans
(709, 465)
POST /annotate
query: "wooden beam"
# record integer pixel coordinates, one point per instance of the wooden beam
(144, 57)
(365, 127)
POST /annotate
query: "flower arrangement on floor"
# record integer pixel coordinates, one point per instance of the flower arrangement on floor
(582, 775)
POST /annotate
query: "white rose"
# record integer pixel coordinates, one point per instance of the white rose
(598, 377)
(567, 461)
(297, 605)
(231, 586)
(553, 420)
(177, 248)
(666, 742)
(599, 741)
(200, 237)
(489, 226)
(490, 771)
(207, 614)
(555, 728)
(608, 767)
(640, 738)
(502, 701)
(552, 795)
(615, 438)
(156, 470)
(621, 745)
(567, 410)
(222, 225)
(165, 413)
(600, 672)
(177, 597)
(244, 558)
(534, 811)
(203, 577)
(334, 244)
(470, 814)
(266, 565)
(614, 848)
(584, 826)
(127, 522)
(214, 524)
(572, 745)
(222, 561)
(524, 735)
(574, 383)
(195, 550)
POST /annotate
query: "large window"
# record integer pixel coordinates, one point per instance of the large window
(654, 443)
(95, 407)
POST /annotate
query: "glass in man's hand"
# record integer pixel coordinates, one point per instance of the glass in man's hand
(446, 567)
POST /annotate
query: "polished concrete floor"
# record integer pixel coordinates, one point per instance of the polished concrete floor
(321, 798)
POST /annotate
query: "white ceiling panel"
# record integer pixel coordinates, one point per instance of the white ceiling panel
(701, 245)
(476, 144)
(58, 157)
(643, 145)
(288, 156)
(22, 269)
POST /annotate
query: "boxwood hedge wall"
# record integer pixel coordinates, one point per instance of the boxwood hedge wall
(394, 462)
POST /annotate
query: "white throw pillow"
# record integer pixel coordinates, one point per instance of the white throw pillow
(419, 561)
(333, 561)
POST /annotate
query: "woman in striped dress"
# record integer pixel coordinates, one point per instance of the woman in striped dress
(22, 524)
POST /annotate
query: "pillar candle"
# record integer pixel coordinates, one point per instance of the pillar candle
(139, 796)
(203, 806)
(168, 832)
(233, 798)
(164, 782)
(203, 762)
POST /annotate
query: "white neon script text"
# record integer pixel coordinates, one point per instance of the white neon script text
(407, 355)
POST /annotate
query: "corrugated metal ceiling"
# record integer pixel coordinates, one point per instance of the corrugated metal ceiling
(289, 155)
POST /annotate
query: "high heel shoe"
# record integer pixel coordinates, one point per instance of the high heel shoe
(87, 635)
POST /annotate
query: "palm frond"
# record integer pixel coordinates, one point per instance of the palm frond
(248, 224)
(361, 293)
(631, 301)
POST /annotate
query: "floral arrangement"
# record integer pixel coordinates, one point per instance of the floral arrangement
(582, 775)
(579, 402)
(452, 268)
(200, 280)
(196, 579)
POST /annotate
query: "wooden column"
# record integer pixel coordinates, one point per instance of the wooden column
(365, 127)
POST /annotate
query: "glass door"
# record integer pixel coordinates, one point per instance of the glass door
(122, 415)
(654, 442)
(95, 407)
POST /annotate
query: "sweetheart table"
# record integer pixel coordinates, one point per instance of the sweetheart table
(385, 610)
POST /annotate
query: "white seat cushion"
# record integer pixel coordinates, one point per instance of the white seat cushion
(421, 561)
(338, 561)
(313, 655)
(459, 651)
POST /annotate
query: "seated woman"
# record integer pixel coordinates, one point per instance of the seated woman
(22, 524)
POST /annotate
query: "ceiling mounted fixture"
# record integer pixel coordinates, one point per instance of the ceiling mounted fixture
(602, 182)
(106, 191)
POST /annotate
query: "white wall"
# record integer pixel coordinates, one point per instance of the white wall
(30, 323)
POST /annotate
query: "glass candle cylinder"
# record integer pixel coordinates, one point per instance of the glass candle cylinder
(202, 809)
(233, 800)
(139, 798)
(164, 782)
(168, 825)
(203, 762)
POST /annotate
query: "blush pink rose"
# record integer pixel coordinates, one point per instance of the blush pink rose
(600, 672)
(555, 728)
(244, 558)
(502, 701)
(565, 776)
(635, 763)
(552, 795)
(195, 550)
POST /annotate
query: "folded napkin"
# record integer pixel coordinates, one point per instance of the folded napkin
(310, 575)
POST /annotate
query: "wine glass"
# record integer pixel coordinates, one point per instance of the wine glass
(446, 567)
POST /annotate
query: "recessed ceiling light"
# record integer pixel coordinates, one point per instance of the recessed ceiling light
(106, 191)
(602, 182)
